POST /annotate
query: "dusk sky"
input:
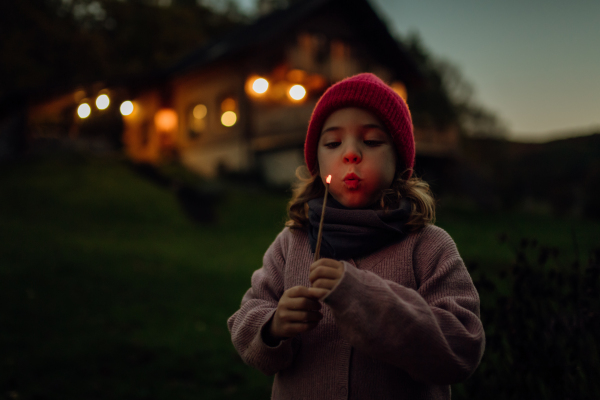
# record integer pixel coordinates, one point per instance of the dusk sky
(535, 63)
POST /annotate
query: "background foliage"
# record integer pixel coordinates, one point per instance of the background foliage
(65, 42)
(108, 291)
(542, 321)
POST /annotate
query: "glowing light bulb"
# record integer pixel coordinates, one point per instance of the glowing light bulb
(260, 85)
(102, 102)
(84, 110)
(228, 118)
(126, 108)
(297, 92)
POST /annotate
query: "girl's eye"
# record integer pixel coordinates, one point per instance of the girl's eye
(370, 143)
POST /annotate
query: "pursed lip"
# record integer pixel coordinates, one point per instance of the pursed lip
(351, 176)
(351, 181)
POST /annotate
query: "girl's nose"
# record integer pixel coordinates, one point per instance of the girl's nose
(352, 155)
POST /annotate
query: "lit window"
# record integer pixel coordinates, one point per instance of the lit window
(166, 120)
(228, 118)
(296, 76)
(200, 111)
(229, 109)
(197, 120)
(229, 104)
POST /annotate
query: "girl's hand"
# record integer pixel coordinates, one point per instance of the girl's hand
(325, 273)
(297, 312)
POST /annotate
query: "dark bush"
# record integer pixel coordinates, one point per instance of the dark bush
(542, 323)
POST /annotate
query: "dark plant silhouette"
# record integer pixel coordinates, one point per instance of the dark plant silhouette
(542, 321)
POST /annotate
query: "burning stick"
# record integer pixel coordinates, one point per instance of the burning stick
(318, 249)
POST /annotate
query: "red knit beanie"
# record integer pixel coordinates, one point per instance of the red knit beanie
(370, 93)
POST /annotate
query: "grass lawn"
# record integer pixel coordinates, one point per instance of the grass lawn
(107, 290)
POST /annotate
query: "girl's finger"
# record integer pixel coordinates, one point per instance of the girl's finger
(324, 272)
(328, 262)
(296, 291)
(303, 304)
(293, 316)
(318, 293)
(325, 284)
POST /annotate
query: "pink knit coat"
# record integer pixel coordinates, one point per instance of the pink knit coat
(402, 323)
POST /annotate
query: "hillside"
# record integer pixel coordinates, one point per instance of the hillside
(108, 290)
(561, 176)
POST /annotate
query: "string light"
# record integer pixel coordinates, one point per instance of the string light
(84, 110)
(260, 85)
(126, 108)
(297, 92)
(102, 102)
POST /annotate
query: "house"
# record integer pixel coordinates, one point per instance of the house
(243, 102)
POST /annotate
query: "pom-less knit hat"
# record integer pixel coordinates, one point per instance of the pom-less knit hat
(370, 93)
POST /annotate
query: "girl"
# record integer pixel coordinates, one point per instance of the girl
(390, 311)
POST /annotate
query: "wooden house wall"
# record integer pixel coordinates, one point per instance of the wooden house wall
(217, 146)
(141, 142)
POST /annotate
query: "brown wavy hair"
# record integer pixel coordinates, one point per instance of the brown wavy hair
(414, 189)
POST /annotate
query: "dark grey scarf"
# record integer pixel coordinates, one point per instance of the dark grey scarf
(350, 233)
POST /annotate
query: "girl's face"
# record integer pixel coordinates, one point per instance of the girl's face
(357, 152)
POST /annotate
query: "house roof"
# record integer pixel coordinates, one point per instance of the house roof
(272, 27)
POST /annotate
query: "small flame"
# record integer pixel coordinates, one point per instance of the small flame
(328, 180)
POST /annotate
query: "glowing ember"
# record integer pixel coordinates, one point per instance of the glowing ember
(328, 180)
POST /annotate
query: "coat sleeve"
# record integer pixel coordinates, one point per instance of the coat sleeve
(258, 306)
(434, 333)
